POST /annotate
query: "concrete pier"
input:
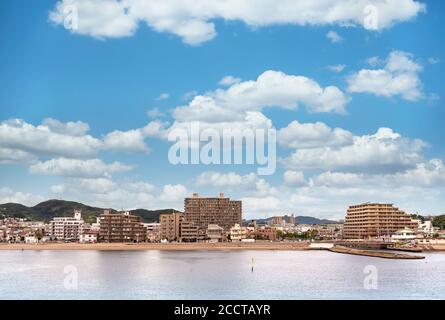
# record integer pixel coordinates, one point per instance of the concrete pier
(376, 254)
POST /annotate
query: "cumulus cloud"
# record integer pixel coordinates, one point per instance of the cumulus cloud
(91, 168)
(10, 156)
(8, 195)
(21, 142)
(229, 80)
(226, 180)
(48, 139)
(313, 135)
(270, 89)
(173, 193)
(399, 77)
(293, 178)
(384, 151)
(134, 140)
(425, 174)
(155, 113)
(71, 128)
(193, 21)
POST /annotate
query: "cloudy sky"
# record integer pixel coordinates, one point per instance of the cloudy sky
(357, 104)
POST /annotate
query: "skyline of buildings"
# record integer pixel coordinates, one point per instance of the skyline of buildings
(216, 219)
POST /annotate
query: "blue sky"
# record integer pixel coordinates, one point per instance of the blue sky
(111, 80)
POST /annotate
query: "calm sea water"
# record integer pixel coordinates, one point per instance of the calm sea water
(216, 275)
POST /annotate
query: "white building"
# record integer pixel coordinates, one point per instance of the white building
(403, 235)
(237, 233)
(153, 231)
(215, 233)
(88, 237)
(96, 225)
(67, 228)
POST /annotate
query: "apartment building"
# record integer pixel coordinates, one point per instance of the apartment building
(121, 227)
(375, 220)
(190, 232)
(67, 228)
(171, 226)
(219, 210)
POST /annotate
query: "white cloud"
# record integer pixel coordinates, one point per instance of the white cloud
(134, 140)
(173, 193)
(58, 188)
(155, 113)
(293, 178)
(42, 140)
(8, 195)
(399, 77)
(384, 151)
(131, 140)
(163, 96)
(270, 89)
(337, 68)
(313, 135)
(229, 80)
(9, 155)
(424, 174)
(193, 21)
(374, 61)
(21, 142)
(76, 129)
(226, 180)
(334, 37)
(92, 168)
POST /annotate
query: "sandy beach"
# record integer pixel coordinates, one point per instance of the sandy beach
(160, 246)
(259, 245)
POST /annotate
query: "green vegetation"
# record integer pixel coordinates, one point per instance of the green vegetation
(418, 216)
(45, 211)
(309, 235)
(439, 221)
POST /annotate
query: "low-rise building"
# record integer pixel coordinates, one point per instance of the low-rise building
(153, 231)
(404, 235)
(237, 233)
(189, 232)
(90, 236)
(266, 233)
(215, 233)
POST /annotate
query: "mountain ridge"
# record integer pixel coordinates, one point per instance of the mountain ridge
(46, 210)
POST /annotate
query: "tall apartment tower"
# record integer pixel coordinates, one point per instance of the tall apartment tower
(374, 220)
(219, 210)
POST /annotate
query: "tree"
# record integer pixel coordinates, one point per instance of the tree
(439, 221)
(39, 235)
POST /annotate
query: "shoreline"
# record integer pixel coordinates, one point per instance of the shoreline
(263, 245)
(158, 246)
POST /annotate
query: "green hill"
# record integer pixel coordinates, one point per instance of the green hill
(46, 210)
